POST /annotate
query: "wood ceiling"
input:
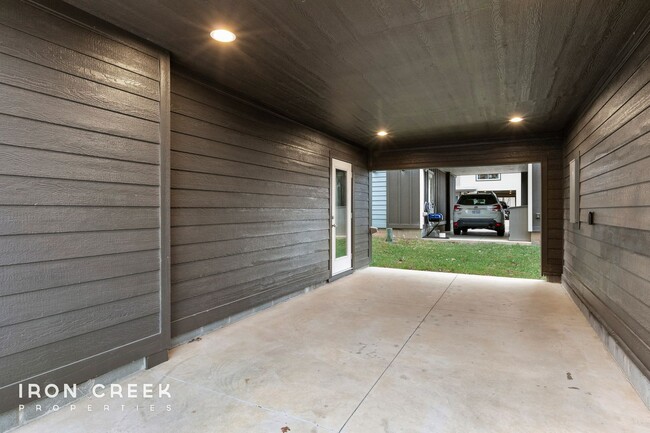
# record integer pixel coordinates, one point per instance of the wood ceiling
(429, 71)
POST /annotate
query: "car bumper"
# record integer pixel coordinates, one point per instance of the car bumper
(477, 223)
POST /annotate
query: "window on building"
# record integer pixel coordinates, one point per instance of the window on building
(488, 176)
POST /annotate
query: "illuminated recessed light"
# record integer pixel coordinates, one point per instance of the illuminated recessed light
(382, 133)
(223, 35)
(516, 119)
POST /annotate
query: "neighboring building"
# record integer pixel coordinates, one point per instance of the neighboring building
(378, 215)
(507, 186)
(516, 189)
(399, 197)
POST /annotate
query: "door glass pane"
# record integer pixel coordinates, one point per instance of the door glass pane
(341, 214)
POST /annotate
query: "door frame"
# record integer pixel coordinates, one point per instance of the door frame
(342, 264)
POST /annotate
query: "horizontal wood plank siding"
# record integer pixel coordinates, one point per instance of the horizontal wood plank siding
(606, 264)
(81, 190)
(379, 198)
(249, 205)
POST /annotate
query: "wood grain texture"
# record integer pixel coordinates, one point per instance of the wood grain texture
(39, 23)
(221, 232)
(81, 190)
(50, 329)
(308, 275)
(277, 141)
(48, 81)
(18, 131)
(34, 191)
(18, 249)
(206, 216)
(21, 161)
(200, 269)
(216, 165)
(202, 199)
(37, 304)
(208, 182)
(22, 103)
(240, 277)
(272, 290)
(20, 220)
(208, 250)
(362, 238)
(43, 52)
(61, 353)
(429, 71)
(250, 204)
(89, 367)
(606, 264)
(200, 146)
(44, 275)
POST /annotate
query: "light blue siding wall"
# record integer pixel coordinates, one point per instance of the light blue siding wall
(378, 199)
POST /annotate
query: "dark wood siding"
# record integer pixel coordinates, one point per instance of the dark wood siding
(607, 264)
(81, 237)
(403, 199)
(250, 205)
(546, 150)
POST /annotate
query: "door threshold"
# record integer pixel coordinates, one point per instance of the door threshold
(341, 275)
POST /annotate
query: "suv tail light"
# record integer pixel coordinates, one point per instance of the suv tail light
(456, 207)
(496, 208)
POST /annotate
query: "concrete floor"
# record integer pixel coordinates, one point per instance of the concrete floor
(387, 351)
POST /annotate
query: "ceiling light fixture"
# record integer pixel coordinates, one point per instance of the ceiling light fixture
(516, 119)
(382, 133)
(223, 35)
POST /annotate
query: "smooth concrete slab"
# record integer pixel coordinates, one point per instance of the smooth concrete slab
(388, 351)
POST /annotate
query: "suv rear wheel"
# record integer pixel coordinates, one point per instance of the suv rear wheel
(501, 232)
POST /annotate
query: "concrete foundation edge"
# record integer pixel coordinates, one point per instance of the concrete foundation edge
(16, 418)
(634, 375)
(189, 336)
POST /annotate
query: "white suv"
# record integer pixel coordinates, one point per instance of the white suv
(479, 211)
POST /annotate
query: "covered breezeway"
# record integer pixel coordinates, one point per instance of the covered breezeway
(157, 184)
(387, 350)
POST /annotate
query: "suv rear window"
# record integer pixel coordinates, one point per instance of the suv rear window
(477, 199)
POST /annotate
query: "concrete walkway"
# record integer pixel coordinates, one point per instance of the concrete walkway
(387, 351)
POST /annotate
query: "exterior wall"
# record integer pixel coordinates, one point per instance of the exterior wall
(546, 150)
(534, 197)
(403, 199)
(606, 264)
(82, 199)
(379, 199)
(437, 191)
(250, 205)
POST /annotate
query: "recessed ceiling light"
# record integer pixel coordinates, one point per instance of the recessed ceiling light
(223, 35)
(382, 133)
(516, 119)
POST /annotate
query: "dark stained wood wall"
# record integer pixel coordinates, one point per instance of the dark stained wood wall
(250, 205)
(403, 199)
(81, 276)
(608, 264)
(425, 69)
(546, 150)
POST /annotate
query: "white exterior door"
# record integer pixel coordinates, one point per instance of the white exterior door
(341, 208)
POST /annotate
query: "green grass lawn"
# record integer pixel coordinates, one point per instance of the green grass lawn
(341, 246)
(502, 260)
